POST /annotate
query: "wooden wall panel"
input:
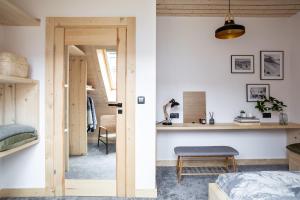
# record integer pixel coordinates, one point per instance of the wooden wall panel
(58, 115)
(121, 118)
(77, 105)
(27, 104)
(66, 102)
(9, 103)
(90, 36)
(194, 106)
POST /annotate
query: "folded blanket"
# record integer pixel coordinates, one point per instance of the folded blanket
(264, 185)
(7, 131)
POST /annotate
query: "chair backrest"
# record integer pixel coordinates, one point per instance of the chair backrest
(109, 122)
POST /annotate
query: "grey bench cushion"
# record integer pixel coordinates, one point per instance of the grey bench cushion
(205, 151)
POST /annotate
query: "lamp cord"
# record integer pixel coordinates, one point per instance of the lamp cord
(229, 7)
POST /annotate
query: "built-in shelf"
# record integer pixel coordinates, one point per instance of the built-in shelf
(12, 79)
(20, 148)
(12, 15)
(224, 126)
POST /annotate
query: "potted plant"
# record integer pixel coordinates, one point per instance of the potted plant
(271, 104)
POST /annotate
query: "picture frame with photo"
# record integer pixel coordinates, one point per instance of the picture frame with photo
(271, 65)
(242, 64)
(256, 92)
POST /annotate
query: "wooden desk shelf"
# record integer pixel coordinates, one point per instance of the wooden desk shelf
(292, 129)
(12, 79)
(20, 148)
(224, 126)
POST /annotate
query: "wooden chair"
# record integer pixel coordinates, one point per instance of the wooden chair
(108, 135)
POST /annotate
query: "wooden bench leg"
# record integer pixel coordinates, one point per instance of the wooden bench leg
(180, 169)
(234, 164)
(226, 164)
(177, 165)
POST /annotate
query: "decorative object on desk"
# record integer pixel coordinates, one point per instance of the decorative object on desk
(242, 64)
(167, 107)
(249, 115)
(246, 120)
(256, 92)
(202, 121)
(283, 118)
(271, 65)
(211, 118)
(271, 104)
(243, 114)
(194, 106)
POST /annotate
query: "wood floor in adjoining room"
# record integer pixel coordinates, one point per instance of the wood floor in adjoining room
(191, 188)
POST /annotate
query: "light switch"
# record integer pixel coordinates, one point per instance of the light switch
(141, 100)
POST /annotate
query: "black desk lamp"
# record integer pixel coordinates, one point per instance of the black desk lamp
(172, 103)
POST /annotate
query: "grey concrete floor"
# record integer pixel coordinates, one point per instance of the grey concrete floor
(95, 165)
(190, 188)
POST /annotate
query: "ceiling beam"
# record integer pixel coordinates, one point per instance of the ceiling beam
(225, 7)
(225, 2)
(249, 8)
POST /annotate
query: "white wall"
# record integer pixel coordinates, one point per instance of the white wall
(189, 58)
(30, 42)
(295, 62)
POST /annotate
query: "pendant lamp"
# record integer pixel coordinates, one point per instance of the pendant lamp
(230, 29)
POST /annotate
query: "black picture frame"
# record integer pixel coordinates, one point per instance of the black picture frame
(252, 63)
(263, 75)
(268, 86)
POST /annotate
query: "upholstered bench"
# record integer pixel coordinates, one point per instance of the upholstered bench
(185, 153)
(294, 156)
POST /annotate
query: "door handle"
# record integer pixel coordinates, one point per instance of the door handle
(115, 104)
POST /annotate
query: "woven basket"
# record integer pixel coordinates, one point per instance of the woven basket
(13, 65)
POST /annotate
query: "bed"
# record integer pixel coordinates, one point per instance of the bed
(264, 185)
(15, 135)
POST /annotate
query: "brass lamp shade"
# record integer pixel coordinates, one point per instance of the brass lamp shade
(230, 30)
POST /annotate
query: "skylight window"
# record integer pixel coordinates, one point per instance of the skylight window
(108, 67)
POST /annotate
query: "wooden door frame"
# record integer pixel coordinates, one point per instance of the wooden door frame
(54, 169)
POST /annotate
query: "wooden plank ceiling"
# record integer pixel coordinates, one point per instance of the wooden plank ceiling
(219, 8)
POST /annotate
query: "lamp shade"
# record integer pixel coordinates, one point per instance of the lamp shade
(230, 30)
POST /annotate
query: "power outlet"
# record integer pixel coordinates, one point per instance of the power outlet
(174, 115)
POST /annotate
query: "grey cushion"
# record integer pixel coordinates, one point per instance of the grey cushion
(7, 131)
(205, 151)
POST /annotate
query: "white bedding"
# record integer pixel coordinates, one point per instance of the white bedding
(265, 185)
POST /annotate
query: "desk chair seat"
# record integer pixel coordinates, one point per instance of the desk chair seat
(107, 131)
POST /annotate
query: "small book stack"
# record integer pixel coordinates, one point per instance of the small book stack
(247, 120)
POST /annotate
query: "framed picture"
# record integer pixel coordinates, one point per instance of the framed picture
(241, 64)
(271, 65)
(256, 92)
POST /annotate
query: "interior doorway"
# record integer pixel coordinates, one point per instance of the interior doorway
(91, 115)
(81, 146)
